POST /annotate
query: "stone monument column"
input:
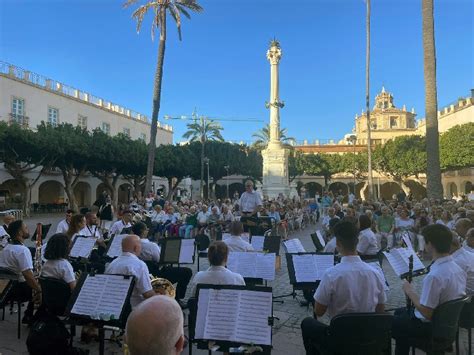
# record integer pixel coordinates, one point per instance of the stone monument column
(275, 156)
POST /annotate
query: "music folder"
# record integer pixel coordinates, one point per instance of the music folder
(177, 251)
(82, 247)
(252, 265)
(318, 240)
(294, 246)
(234, 315)
(101, 297)
(114, 248)
(306, 269)
(398, 260)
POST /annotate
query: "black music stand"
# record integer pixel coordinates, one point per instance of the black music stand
(81, 260)
(89, 305)
(224, 345)
(318, 243)
(113, 241)
(44, 232)
(171, 249)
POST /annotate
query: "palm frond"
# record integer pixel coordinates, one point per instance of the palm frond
(183, 11)
(191, 5)
(174, 11)
(140, 13)
(128, 3)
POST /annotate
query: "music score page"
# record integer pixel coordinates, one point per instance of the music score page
(187, 251)
(115, 248)
(311, 267)
(251, 264)
(82, 247)
(294, 246)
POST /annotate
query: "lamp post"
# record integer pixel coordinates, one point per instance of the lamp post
(206, 161)
(227, 167)
(353, 139)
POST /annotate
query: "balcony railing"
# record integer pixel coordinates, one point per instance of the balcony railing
(23, 121)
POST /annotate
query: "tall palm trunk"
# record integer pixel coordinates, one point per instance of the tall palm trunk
(156, 103)
(434, 188)
(367, 104)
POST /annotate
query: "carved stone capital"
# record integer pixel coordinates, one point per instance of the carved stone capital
(274, 55)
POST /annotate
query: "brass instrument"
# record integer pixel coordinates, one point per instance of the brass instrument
(162, 286)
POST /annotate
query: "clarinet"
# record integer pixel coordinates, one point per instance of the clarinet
(409, 279)
(38, 262)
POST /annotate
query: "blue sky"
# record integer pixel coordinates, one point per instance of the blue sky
(220, 66)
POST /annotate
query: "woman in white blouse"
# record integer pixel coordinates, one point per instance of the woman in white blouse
(367, 241)
(57, 266)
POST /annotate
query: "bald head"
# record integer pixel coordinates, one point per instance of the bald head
(131, 244)
(155, 327)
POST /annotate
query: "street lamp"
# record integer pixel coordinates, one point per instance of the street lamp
(206, 161)
(227, 167)
(353, 139)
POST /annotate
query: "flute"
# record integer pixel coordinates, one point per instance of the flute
(409, 279)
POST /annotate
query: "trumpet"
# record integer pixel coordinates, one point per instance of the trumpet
(163, 286)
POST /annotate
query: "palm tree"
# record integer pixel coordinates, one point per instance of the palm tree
(434, 188)
(160, 9)
(262, 137)
(205, 130)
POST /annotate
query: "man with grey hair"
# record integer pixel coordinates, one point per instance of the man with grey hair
(155, 327)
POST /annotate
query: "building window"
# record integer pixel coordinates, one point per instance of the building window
(376, 141)
(393, 121)
(53, 116)
(82, 121)
(17, 114)
(373, 124)
(106, 127)
(126, 131)
(143, 137)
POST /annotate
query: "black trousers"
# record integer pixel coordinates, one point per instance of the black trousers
(405, 327)
(23, 293)
(179, 275)
(314, 332)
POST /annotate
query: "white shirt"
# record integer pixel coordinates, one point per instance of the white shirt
(157, 216)
(326, 220)
(62, 227)
(468, 248)
(59, 269)
(404, 223)
(90, 231)
(118, 226)
(202, 217)
(217, 275)
(445, 282)
(449, 224)
(129, 264)
(228, 217)
(150, 251)
(249, 201)
(16, 258)
(236, 243)
(367, 243)
(330, 246)
(465, 260)
(351, 286)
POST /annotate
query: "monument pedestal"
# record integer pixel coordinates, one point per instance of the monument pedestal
(275, 171)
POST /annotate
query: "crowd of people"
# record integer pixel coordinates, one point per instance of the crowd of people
(442, 231)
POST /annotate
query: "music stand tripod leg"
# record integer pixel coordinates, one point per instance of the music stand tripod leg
(101, 339)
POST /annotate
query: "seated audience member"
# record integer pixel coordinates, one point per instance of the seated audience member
(155, 327)
(465, 261)
(150, 251)
(7, 219)
(367, 245)
(235, 242)
(129, 264)
(331, 213)
(331, 244)
(63, 225)
(469, 243)
(385, 226)
(122, 223)
(202, 216)
(462, 225)
(16, 257)
(157, 219)
(445, 282)
(57, 266)
(217, 274)
(350, 286)
(189, 224)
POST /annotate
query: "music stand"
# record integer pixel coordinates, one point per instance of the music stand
(114, 247)
(177, 251)
(262, 317)
(91, 303)
(44, 232)
(81, 250)
(318, 241)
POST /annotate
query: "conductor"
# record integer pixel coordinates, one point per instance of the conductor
(250, 202)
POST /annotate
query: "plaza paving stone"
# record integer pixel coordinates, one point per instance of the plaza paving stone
(286, 332)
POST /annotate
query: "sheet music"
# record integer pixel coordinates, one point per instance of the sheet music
(187, 251)
(115, 248)
(102, 295)
(407, 240)
(246, 316)
(378, 268)
(398, 260)
(257, 242)
(82, 247)
(294, 246)
(305, 268)
(320, 238)
(255, 265)
(252, 320)
(323, 262)
(244, 236)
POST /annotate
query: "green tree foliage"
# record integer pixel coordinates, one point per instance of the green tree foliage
(457, 147)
